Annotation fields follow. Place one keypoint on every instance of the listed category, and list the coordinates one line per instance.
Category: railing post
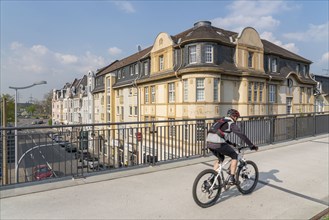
(205, 137)
(314, 124)
(153, 143)
(272, 130)
(295, 127)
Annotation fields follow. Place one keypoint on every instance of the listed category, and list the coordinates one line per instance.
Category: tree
(10, 102)
(47, 103)
(31, 109)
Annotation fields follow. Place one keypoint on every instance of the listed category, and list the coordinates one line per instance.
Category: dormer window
(304, 70)
(297, 68)
(275, 65)
(209, 54)
(161, 63)
(192, 54)
(250, 58)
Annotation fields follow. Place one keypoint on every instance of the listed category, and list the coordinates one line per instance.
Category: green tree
(10, 110)
(31, 109)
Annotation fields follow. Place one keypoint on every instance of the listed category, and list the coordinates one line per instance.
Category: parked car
(70, 148)
(58, 138)
(34, 122)
(41, 172)
(63, 143)
(91, 162)
(78, 155)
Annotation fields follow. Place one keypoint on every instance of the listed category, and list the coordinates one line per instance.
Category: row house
(199, 73)
(322, 93)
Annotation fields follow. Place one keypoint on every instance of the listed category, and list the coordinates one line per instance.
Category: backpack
(217, 127)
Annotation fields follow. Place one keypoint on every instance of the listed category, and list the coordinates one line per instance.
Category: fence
(73, 150)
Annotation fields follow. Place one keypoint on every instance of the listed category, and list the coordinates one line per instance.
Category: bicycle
(210, 182)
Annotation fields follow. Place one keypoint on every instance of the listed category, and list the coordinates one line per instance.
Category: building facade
(199, 73)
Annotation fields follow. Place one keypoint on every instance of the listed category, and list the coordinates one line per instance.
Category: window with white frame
(309, 95)
(275, 65)
(261, 86)
(130, 110)
(305, 70)
(272, 93)
(171, 92)
(209, 54)
(146, 68)
(146, 93)
(250, 58)
(301, 92)
(152, 94)
(200, 89)
(185, 90)
(192, 54)
(255, 91)
(297, 68)
(289, 105)
(250, 84)
(131, 70)
(136, 69)
(136, 110)
(161, 65)
(216, 81)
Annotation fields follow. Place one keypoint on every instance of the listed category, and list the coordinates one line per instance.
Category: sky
(58, 41)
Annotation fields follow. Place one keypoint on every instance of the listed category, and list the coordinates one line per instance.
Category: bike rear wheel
(203, 194)
(247, 177)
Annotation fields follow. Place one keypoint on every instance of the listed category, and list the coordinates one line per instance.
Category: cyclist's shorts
(220, 156)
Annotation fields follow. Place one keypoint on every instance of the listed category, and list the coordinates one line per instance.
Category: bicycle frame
(240, 151)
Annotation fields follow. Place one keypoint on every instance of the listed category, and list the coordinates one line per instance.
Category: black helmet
(233, 112)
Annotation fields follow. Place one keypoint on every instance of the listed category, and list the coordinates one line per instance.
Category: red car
(41, 172)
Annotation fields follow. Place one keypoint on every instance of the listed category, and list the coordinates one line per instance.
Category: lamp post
(16, 139)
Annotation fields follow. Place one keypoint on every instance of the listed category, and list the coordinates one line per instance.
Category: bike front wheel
(206, 188)
(247, 177)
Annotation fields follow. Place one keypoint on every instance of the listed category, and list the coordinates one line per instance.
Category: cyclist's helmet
(233, 112)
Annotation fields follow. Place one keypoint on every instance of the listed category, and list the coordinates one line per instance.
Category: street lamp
(16, 144)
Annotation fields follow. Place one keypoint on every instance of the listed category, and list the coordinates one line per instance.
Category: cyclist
(222, 147)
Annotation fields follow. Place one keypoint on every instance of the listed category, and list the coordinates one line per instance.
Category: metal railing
(75, 150)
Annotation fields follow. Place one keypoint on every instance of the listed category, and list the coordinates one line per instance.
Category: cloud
(325, 58)
(313, 33)
(113, 51)
(256, 14)
(23, 65)
(125, 6)
(270, 37)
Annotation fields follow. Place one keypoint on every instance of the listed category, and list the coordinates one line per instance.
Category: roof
(324, 80)
(271, 48)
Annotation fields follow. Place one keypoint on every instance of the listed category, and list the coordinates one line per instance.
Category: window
(301, 91)
(272, 93)
(289, 86)
(199, 89)
(261, 86)
(304, 70)
(161, 63)
(146, 93)
(146, 68)
(250, 57)
(131, 70)
(249, 91)
(122, 111)
(185, 86)
(192, 54)
(136, 110)
(153, 94)
(171, 92)
(255, 91)
(216, 89)
(308, 95)
(119, 74)
(297, 68)
(136, 69)
(130, 110)
(289, 105)
(275, 65)
(209, 54)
